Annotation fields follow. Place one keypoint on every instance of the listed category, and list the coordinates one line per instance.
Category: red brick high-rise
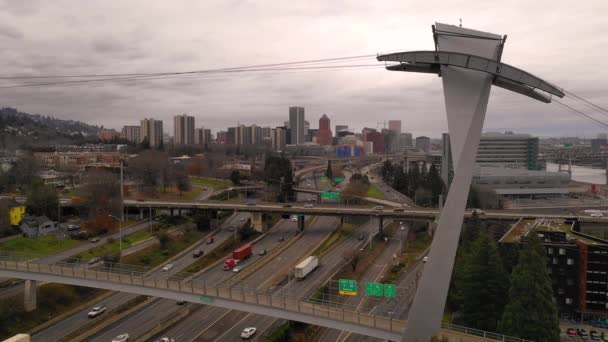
(324, 136)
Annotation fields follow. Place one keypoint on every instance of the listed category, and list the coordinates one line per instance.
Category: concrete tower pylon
(469, 63)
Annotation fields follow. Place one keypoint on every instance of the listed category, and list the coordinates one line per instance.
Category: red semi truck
(238, 254)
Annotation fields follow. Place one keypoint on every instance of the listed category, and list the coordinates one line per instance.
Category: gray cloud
(71, 37)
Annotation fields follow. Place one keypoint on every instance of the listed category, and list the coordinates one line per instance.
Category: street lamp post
(119, 234)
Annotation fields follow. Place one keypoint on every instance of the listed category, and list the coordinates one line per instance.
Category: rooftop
(525, 225)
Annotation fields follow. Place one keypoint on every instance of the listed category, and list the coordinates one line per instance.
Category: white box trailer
(306, 266)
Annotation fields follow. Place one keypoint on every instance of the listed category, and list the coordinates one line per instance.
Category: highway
(162, 309)
(219, 324)
(79, 319)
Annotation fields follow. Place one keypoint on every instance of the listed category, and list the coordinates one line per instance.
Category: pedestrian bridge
(236, 298)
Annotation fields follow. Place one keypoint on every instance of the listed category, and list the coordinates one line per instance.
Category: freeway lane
(79, 319)
(212, 323)
(146, 319)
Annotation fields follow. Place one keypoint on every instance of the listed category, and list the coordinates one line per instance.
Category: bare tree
(100, 193)
(150, 169)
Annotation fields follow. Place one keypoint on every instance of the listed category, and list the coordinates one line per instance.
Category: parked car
(248, 332)
(197, 253)
(251, 203)
(94, 260)
(594, 335)
(262, 252)
(378, 207)
(96, 311)
(582, 333)
(121, 338)
(167, 267)
(571, 332)
(94, 240)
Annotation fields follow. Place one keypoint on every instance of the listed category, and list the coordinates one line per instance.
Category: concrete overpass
(200, 292)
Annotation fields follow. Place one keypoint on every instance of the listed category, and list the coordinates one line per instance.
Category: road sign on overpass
(348, 287)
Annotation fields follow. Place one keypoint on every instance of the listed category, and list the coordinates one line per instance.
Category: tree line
(505, 289)
(422, 184)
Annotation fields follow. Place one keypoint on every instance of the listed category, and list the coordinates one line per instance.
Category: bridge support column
(141, 213)
(213, 219)
(341, 222)
(319, 197)
(380, 221)
(257, 221)
(29, 295)
(301, 223)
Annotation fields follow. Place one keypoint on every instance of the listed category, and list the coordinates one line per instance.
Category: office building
(447, 167)
(341, 128)
(521, 183)
(221, 137)
(407, 140)
(377, 139)
(324, 135)
(183, 129)
(297, 125)
(509, 150)
(131, 133)
(107, 134)
(423, 143)
(202, 136)
(248, 135)
(279, 138)
(152, 132)
(231, 136)
(395, 126)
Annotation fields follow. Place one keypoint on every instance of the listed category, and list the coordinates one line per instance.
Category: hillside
(23, 130)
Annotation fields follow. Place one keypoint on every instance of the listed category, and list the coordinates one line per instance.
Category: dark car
(361, 237)
(94, 240)
(281, 239)
(251, 203)
(582, 333)
(594, 335)
(398, 210)
(286, 205)
(180, 302)
(197, 253)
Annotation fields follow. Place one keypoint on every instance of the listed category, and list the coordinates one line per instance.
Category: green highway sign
(567, 145)
(338, 179)
(330, 195)
(324, 179)
(348, 287)
(373, 289)
(389, 290)
(437, 218)
(207, 299)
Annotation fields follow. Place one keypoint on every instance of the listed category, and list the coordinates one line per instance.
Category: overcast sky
(561, 41)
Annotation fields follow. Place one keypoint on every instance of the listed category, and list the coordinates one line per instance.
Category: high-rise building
(231, 136)
(183, 129)
(377, 139)
(423, 143)
(324, 135)
(202, 136)
(407, 139)
(279, 138)
(340, 128)
(296, 124)
(221, 137)
(395, 126)
(131, 133)
(447, 167)
(510, 150)
(152, 131)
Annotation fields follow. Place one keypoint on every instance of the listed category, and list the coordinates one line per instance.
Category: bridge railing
(140, 276)
(200, 288)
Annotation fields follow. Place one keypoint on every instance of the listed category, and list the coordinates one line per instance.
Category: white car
(308, 205)
(425, 259)
(596, 215)
(165, 339)
(236, 269)
(168, 267)
(96, 311)
(121, 338)
(478, 211)
(248, 332)
(294, 218)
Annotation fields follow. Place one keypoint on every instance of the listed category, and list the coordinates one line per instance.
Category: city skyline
(361, 98)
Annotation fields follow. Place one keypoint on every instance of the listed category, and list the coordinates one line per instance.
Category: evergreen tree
(434, 183)
(484, 285)
(531, 312)
(471, 231)
(386, 171)
(329, 172)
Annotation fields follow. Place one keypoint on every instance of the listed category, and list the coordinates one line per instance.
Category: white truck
(305, 267)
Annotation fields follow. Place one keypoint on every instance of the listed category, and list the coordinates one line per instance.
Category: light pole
(119, 235)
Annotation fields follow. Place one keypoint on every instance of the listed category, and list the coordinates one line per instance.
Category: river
(583, 174)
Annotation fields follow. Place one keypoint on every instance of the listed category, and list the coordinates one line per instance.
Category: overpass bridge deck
(237, 298)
